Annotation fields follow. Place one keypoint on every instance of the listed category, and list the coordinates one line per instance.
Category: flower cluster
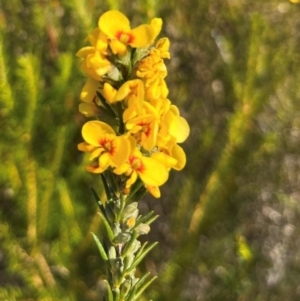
(137, 128)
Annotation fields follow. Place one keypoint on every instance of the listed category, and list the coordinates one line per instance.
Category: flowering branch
(133, 141)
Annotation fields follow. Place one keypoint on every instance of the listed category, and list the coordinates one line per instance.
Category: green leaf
(142, 229)
(142, 280)
(111, 180)
(106, 187)
(109, 213)
(121, 238)
(129, 244)
(145, 218)
(109, 291)
(135, 192)
(140, 291)
(130, 211)
(139, 257)
(100, 247)
(109, 231)
(100, 204)
(131, 294)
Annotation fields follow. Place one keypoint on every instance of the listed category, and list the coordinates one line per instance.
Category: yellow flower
(152, 70)
(144, 127)
(103, 144)
(117, 28)
(172, 125)
(151, 171)
(172, 156)
(94, 64)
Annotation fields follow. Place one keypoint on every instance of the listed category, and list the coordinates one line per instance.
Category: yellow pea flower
(172, 156)
(102, 142)
(172, 125)
(144, 127)
(116, 27)
(94, 64)
(151, 171)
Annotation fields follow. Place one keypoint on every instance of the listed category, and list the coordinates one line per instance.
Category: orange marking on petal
(108, 145)
(145, 128)
(136, 163)
(124, 37)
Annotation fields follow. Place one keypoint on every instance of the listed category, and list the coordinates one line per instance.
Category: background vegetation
(229, 226)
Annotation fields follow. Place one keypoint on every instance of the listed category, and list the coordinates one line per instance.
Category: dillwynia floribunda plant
(132, 139)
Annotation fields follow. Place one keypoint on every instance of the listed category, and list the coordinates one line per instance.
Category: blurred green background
(229, 226)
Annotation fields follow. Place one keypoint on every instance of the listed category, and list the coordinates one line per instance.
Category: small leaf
(109, 231)
(130, 211)
(135, 189)
(112, 181)
(129, 244)
(142, 229)
(140, 257)
(100, 204)
(112, 254)
(140, 291)
(100, 247)
(144, 219)
(125, 288)
(121, 238)
(109, 291)
(109, 213)
(106, 187)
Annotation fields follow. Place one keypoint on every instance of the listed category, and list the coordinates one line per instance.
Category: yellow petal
(163, 46)
(88, 92)
(118, 47)
(131, 88)
(112, 22)
(165, 159)
(93, 36)
(122, 149)
(88, 109)
(152, 172)
(179, 128)
(96, 153)
(178, 153)
(109, 93)
(122, 169)
(83, 52)
(94, 169)
(92, 131)
(156, 25)
(154, 190)
(85, 147)
(104, 161)
(132, 179)
(142, 36)
(90, 71)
